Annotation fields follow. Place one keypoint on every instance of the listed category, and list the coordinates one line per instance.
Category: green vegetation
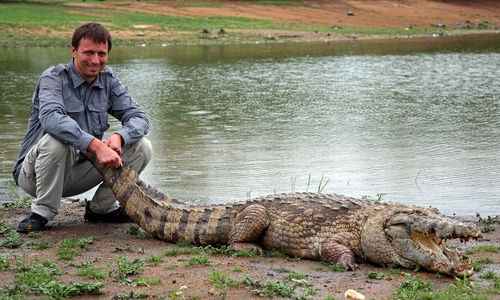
(30, 275)
(413, 288)
(488, 222)
(42, 278)
(50, 24)
(486, 248)
(18, 200)
(71, 247)
(36, 23)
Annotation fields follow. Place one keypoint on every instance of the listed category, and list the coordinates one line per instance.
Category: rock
(352, 294)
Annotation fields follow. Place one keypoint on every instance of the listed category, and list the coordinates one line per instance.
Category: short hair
(93, 31)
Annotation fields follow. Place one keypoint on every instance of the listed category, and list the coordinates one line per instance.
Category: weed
(126, 268)
(486, 248)
(124, 248)
(170, 267)
(496, 282)
(377, 200)
(321, 186)
(133, 295)
(88, 269)
(276, 253)
(319, 268)
(179, 251)
(333, 267)
(378, 275)
(19, 201)
(9, 238)
(217, 250)
(220, 280)
(154, 260)
(310, 291)
(198, 260)
(176, 294)
(141, 281)
(71, 247)
(38, 246)
(237, 269)
(246, 253)
(35, 234)
(479, 263)
(488, 275)
(138, 232)
(270, 288)
(5, 262)
(296, 276)
(412, 288)
(488, 222)
(42, 278)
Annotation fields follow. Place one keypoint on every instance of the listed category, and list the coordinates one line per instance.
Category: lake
(415, 120)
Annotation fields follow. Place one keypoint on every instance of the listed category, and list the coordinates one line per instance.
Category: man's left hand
(115, 142)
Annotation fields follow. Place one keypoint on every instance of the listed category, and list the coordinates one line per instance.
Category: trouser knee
(139, 154)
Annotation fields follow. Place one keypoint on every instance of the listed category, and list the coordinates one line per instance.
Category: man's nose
(95, 58)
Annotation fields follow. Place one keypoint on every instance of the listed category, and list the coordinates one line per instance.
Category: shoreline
(239, 38)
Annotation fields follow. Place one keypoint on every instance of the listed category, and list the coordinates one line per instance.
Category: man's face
(90, 58)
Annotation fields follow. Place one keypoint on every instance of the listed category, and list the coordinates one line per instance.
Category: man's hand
(107, 153)
(115, 142)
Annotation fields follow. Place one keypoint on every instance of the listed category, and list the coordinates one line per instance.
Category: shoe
(34, 222)
(116, 216)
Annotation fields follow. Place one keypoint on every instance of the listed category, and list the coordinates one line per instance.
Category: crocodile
(317, 226)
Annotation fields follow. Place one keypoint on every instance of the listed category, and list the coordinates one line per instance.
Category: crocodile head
(411, 236)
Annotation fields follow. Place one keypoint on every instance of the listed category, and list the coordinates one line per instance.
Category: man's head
(92, 31)
(90, 46)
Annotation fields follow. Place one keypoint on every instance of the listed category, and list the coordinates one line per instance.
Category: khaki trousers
(52, 170)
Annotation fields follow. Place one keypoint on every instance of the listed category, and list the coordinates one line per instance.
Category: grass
(33, 276)
(36, 23)
(50, 24)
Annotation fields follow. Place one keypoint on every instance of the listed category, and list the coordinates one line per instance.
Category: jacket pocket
(99, 118)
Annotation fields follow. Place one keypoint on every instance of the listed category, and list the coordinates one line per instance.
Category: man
(69, 116)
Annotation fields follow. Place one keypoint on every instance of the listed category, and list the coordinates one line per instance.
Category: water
(415, 119)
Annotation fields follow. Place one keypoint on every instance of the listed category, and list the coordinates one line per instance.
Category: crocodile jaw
(421, 240)
(435, 255)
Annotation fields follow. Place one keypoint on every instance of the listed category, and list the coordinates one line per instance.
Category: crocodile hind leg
(248, 227)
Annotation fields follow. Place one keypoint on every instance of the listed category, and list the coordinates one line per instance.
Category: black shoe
(34, 222)
(116, 216)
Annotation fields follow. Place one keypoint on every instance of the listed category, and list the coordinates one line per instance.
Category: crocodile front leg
(337, 250)
(248, 227)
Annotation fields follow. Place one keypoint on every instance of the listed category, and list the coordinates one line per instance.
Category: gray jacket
(75, 112)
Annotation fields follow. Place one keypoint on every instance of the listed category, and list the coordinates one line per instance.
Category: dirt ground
(114, 239)
(335, 15)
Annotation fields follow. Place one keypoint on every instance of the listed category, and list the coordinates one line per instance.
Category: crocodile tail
(140, 201)
(160, 215)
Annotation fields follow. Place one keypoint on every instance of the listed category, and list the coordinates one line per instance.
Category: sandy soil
(423, 14)
(114, 240)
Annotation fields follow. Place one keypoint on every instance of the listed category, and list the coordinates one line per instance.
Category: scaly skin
(335, 228)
